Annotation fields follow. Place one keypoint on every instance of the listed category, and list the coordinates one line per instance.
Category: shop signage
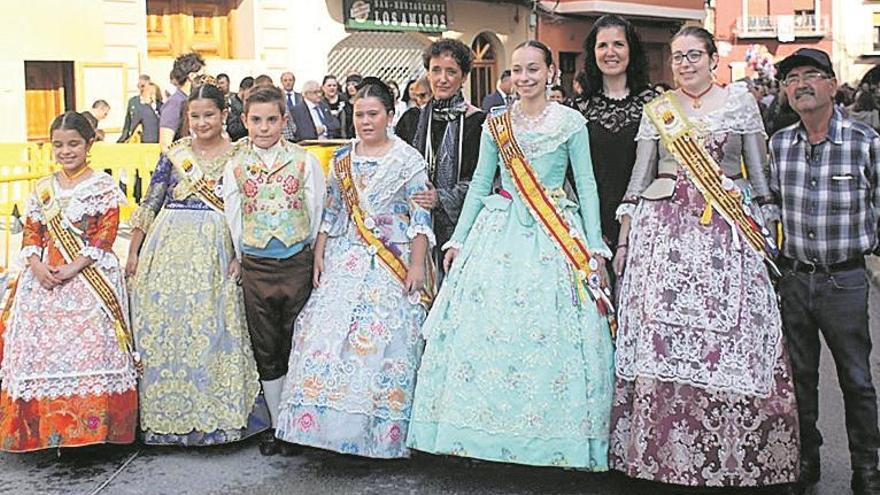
(395, 15)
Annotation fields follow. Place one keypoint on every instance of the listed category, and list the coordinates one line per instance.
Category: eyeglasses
(807, 77)
(692, 56)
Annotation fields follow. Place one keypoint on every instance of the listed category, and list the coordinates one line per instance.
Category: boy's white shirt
(314, 190)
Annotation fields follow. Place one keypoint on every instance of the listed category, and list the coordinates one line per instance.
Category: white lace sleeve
(27, 252)
(451, 244)
(103, 259)
(415, 229)
(647, 129)
(95, 199)
(741, 113)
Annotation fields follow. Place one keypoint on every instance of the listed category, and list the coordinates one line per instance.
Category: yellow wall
(53, 30)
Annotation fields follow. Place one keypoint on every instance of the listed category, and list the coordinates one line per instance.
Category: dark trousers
(275, 291)
(835, 304)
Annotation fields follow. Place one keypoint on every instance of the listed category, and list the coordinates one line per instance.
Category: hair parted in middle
(636, 71)
(463, 55)
(211, 92)
(375, 87)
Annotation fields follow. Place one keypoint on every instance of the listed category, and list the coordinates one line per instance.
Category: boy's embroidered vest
(273, 202)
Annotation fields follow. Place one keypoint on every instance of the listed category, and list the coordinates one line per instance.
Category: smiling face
(809, 89)
(612, 51)
(69, 149)
(691, 63)
(445, 76)
(264, 122)
(330, 88)
(205, 119)
(371, 120)
(530, 72)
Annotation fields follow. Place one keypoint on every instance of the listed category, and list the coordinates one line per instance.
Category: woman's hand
(234, 271)
(603, 271)
(131, 265)
(619, 260)
(428, 199)
(415, 279)
(66, 272)
(317, 271)
(449, 257)
(45, 275)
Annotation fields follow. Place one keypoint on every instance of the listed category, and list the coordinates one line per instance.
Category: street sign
(395, 15)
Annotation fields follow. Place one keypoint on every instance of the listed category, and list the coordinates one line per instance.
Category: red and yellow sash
(70, 245)
(342, 167)
(181, 156)
(720, 192)
(544, 210)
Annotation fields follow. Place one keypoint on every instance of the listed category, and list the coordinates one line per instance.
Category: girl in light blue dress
(518, 365)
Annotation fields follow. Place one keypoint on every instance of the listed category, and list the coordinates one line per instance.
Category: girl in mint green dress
(517, 367)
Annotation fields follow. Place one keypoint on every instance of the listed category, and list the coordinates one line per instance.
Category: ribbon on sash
(70, 245)
(542, 207)
(181, 156)
(342, 167)
(719, 191)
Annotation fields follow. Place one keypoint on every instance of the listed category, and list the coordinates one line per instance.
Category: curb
(872, 264)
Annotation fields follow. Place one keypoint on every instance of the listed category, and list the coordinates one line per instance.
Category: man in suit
(501, 96)
(313, 117)
(292, 97)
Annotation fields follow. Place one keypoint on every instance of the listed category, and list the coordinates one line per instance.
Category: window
(484, 71)
(180, 26)
(876, 31)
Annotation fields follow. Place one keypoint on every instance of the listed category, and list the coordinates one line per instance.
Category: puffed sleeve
(315, 190)
(153, 201)
(588, 195)
(335, 217)
(101, 228)
(34, 236)
(480, 187)
(419, 218)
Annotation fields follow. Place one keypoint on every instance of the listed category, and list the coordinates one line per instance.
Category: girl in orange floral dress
(68, 376)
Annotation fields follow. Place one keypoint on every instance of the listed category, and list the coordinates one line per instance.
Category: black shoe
(288, 449)
(866, 482)
(269, 445)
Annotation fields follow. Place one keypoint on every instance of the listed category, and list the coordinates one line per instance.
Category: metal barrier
(22, 164)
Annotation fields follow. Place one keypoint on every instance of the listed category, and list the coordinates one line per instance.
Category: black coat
(305, 127)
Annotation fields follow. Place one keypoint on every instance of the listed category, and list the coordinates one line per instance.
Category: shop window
(180, 26)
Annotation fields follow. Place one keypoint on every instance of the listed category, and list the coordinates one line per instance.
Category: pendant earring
(548, 89)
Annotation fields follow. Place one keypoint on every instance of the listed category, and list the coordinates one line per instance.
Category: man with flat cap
(824, 173)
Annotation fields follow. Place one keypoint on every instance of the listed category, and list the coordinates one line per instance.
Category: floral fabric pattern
(62, 364)
(356, 344)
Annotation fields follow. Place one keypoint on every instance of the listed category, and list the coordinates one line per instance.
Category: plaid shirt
(828, 192)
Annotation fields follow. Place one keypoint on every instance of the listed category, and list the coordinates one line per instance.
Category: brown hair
(266, 94)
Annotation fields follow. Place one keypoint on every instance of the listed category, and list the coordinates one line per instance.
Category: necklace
(530, 120)
(73, 176)
(697, 102)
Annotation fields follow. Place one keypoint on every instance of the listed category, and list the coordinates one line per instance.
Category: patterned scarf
(443, 168)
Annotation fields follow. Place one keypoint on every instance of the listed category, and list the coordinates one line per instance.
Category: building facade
(95, 49)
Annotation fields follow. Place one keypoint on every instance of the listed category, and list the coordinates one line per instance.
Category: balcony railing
(768, 26)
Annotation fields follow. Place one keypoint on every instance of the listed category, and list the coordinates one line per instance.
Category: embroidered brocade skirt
(65, 381)
(516, 368)
(200, 384)
(691, 299)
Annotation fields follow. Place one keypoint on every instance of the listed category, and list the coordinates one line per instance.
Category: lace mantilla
(92, 197)
(613, 114)
(400, 164)
(739, 115)
(541, 136)
(26, 253)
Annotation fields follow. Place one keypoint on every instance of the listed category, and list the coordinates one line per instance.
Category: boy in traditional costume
(274, 195)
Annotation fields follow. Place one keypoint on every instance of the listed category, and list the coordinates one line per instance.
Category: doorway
(48, 90)
(484, 71)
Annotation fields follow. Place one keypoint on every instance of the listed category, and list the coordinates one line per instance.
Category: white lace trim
(27, 252)
(625, 209)
(451, 244)
(92, 198)
(413, 230)
(325, 227)
(33, 209)
(739, 115)
(398, 166)
(545, 136)
(52, 387)
(103, 259)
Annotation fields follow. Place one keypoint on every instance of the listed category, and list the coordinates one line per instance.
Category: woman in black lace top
(615, 89)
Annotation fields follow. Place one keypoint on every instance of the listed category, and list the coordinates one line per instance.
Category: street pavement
(239, 469)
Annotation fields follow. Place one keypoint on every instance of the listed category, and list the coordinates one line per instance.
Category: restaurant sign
(395, 15)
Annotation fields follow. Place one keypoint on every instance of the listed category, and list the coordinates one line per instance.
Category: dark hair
(863, 101)
(548, 55)
(463, 55)
(636, 70)
(209, 92)
(246, 83)
(184, 65)
(405, 97)
(327, 78)
(698, 32)
(263, 80)
(504, 74)
(223, 75)
(266, 94)
(560, 89)
(100, 103)
(73, 121)
(373, 86)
